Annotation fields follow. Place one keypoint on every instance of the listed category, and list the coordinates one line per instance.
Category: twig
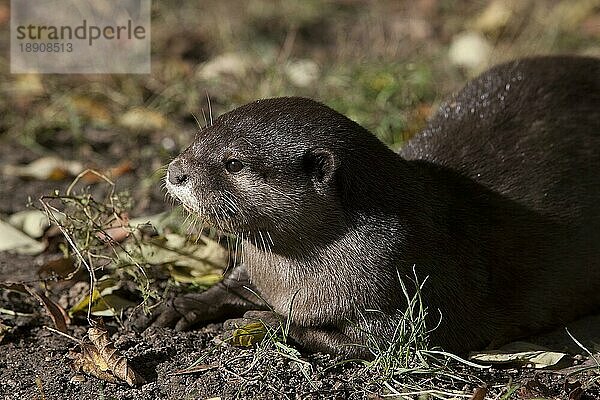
(61, 333)
(15, 313)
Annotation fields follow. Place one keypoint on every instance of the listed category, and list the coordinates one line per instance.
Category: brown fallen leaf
(117, 232)
(114, 172)
(574, 389)
(479, 393)
(110, 358)
(92, 109)
(576, 394)
(55, 311)
(91, 362)
(61, 267)
(533, 388)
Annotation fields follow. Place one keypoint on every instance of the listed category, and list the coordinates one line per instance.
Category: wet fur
(497, 201)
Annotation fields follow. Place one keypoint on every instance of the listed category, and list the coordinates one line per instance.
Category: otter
(496, 202)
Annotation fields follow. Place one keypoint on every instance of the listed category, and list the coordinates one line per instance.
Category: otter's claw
(229, 298)
(183, 312)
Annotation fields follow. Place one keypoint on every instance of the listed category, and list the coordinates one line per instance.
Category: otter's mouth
(184, 194)
(223, 223)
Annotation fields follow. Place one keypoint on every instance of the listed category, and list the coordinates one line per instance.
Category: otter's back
(528, 129)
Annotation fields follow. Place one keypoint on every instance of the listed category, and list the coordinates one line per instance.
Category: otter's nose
(176, 173)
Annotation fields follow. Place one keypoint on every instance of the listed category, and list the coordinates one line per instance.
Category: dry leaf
(101, 359)
(110, 305)
(92, 109)
(82, 305)
(120, 169)
(248, 335)
(27, 85)
(201, 263)
(533, 388)
(185, 274)
(116, 363)
(224, 66)
(114, 172)
(33, 222)
(206, 254)
(61, 267)
(45, 168)
(158, 221)
(574, 389)
(536, 359)
(118, 231)
(479, 393)
(13, 240)
(105, 303)
(90, 361)
(55, 311)
(143, 119)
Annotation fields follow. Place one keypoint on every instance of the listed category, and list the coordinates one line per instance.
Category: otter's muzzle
(176, 173)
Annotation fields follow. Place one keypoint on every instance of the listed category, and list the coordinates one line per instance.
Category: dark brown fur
(497, 202)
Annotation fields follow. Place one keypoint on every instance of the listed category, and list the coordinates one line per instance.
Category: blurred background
(385, 64)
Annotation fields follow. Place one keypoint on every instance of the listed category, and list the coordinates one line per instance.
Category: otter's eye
(234, 166)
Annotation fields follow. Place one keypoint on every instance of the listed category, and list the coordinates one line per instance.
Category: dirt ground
(385, 64)
(36, 364)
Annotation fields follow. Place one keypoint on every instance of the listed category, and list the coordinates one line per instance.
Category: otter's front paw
(184, 311)
(224, 300)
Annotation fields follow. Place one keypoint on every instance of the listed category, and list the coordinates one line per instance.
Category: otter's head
(269, 167)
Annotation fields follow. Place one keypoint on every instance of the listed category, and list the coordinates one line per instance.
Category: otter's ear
(320, 165)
